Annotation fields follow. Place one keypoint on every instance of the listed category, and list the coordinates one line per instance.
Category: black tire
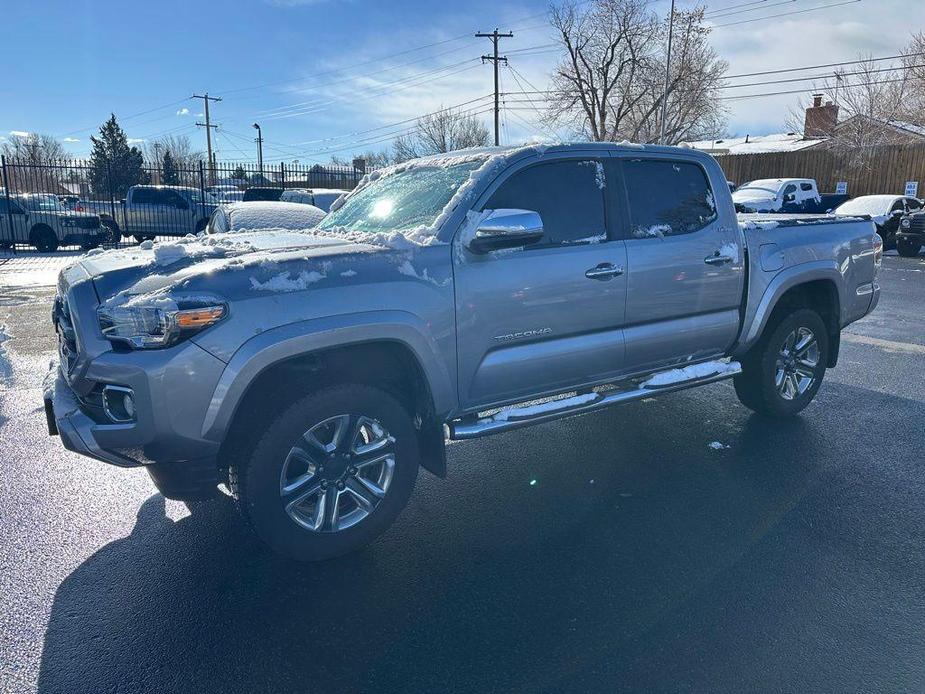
(90, 245)
(256, 483)
(908, 248)
(44, 239)
(757, 386)
(114, 235)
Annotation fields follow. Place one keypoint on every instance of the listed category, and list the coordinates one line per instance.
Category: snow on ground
(29, 269)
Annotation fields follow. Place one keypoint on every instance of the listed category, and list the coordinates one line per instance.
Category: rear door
(547, 317)
(685, 265)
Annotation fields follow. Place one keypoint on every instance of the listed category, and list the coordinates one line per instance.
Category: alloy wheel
(337, 473)
(796, 364)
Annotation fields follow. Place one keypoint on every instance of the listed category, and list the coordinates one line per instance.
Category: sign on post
(841, 188)
(912, 189)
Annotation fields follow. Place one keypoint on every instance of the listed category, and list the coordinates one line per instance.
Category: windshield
(403, 200)
(754, 189)
(42, 203)
(871, 205)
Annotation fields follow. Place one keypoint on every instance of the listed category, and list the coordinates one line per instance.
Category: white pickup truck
(40, 220)
(785, 195)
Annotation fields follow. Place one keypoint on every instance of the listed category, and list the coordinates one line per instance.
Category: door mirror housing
(507, 229)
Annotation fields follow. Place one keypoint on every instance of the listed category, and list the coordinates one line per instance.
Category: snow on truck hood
(157, 267)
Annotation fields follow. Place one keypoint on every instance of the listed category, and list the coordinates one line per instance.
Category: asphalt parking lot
(617, 551)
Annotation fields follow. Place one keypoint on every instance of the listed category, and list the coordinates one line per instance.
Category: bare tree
(914, 105)
(179, 147)
(609, 84)
(445, 130)
(33, 148)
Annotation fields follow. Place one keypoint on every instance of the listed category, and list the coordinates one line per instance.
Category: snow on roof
(755, 144)
(272, 215)
(871, 205)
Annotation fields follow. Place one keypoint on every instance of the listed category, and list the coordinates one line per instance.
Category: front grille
(67, 337)
(916, 223)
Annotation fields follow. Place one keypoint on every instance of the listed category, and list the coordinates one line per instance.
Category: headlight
(158, 324)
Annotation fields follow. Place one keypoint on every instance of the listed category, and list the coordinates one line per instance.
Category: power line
(786, 14)
(495, 60)
(815, 67)
(721, 13)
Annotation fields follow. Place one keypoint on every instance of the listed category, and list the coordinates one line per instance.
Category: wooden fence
(875, 170)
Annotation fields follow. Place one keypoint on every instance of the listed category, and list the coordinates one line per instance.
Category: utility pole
(259, 141)
(208, 126)
(496, 59)
(667, 72)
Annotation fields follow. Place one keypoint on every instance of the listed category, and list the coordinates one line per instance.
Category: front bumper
(86, 237)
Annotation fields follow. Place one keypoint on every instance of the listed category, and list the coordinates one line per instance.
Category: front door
(547, 317)
(685, 265)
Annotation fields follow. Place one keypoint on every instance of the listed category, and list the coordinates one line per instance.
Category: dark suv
(910, 237)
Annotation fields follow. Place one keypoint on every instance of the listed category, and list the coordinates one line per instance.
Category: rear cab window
(667, 197)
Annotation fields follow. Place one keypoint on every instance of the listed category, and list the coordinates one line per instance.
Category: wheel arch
(373, 356)
(819, 288)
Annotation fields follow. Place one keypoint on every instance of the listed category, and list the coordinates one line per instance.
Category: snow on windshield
(872, 205)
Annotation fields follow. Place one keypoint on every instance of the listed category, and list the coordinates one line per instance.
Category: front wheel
(908, 248)
(783, 372)
(330, 474)
(45, 240)
(113, 234)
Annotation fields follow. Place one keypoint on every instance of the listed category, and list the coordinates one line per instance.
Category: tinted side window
(567, 194)
(790, 189)
(143, 196)
(897, 206)
(806, 186)
(914, 204)
(667, 198)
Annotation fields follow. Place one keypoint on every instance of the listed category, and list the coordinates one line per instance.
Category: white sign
(912, 189)
(841, 188)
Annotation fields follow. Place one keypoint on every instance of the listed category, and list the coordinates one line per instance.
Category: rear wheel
(908, 248)
(44, 239)
(783, 372)
(143, 237)
(113, 234)
(330, 474)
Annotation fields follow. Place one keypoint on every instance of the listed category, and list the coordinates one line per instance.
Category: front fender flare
(295, 339)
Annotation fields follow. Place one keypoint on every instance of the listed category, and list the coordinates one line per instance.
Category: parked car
(231, 196)
(150, 211)
(885, 211)
(910, 237)
(41, 220)
(262, 193)
(473, 293)
(219, 190)
(319, 197)
(784, 195)
(251, 216)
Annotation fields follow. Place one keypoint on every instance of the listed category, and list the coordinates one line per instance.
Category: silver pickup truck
(456, 296)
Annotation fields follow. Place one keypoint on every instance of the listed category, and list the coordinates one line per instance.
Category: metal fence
(55, 204)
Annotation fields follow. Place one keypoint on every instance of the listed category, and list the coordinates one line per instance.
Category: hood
(199, 263)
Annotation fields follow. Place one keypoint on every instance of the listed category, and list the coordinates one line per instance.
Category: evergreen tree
(169, 174)
(125, 163)
(239, 174)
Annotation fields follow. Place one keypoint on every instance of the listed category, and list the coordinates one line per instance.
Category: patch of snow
(731, 250)
(348, 273)
(690, 373)
(590, 240)
(285, 282)
(763, 225)
(95, 251)
(259, 215)
(599, 178)
(631, 145)
(146, 245)
(551, 406)
(717, 446)
(654, 231)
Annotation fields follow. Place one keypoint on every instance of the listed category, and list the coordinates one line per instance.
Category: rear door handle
(604, 271)
(717, 259)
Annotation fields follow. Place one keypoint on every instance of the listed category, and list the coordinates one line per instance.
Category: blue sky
(317, 76)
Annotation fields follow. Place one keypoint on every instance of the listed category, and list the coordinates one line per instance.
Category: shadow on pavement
(660, 565)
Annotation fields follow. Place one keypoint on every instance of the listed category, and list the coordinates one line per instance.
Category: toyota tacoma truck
(313, 373)
(40, 219)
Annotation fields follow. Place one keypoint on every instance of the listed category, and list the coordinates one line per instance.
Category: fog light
(119, 404)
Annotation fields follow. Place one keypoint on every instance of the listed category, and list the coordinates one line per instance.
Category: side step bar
(523, 416)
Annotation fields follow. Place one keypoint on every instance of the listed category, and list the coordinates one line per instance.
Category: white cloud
(20, 133)
(70, 139)
(135, 140)
(183, 111)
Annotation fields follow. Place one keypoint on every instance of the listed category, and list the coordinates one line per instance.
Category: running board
(523, 416)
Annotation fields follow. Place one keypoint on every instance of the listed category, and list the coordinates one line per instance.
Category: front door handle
(717, 259)
(604, 271)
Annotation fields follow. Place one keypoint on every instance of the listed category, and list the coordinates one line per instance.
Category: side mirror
(507, 229)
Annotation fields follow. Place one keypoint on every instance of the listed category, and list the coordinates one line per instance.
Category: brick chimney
(820, 119)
